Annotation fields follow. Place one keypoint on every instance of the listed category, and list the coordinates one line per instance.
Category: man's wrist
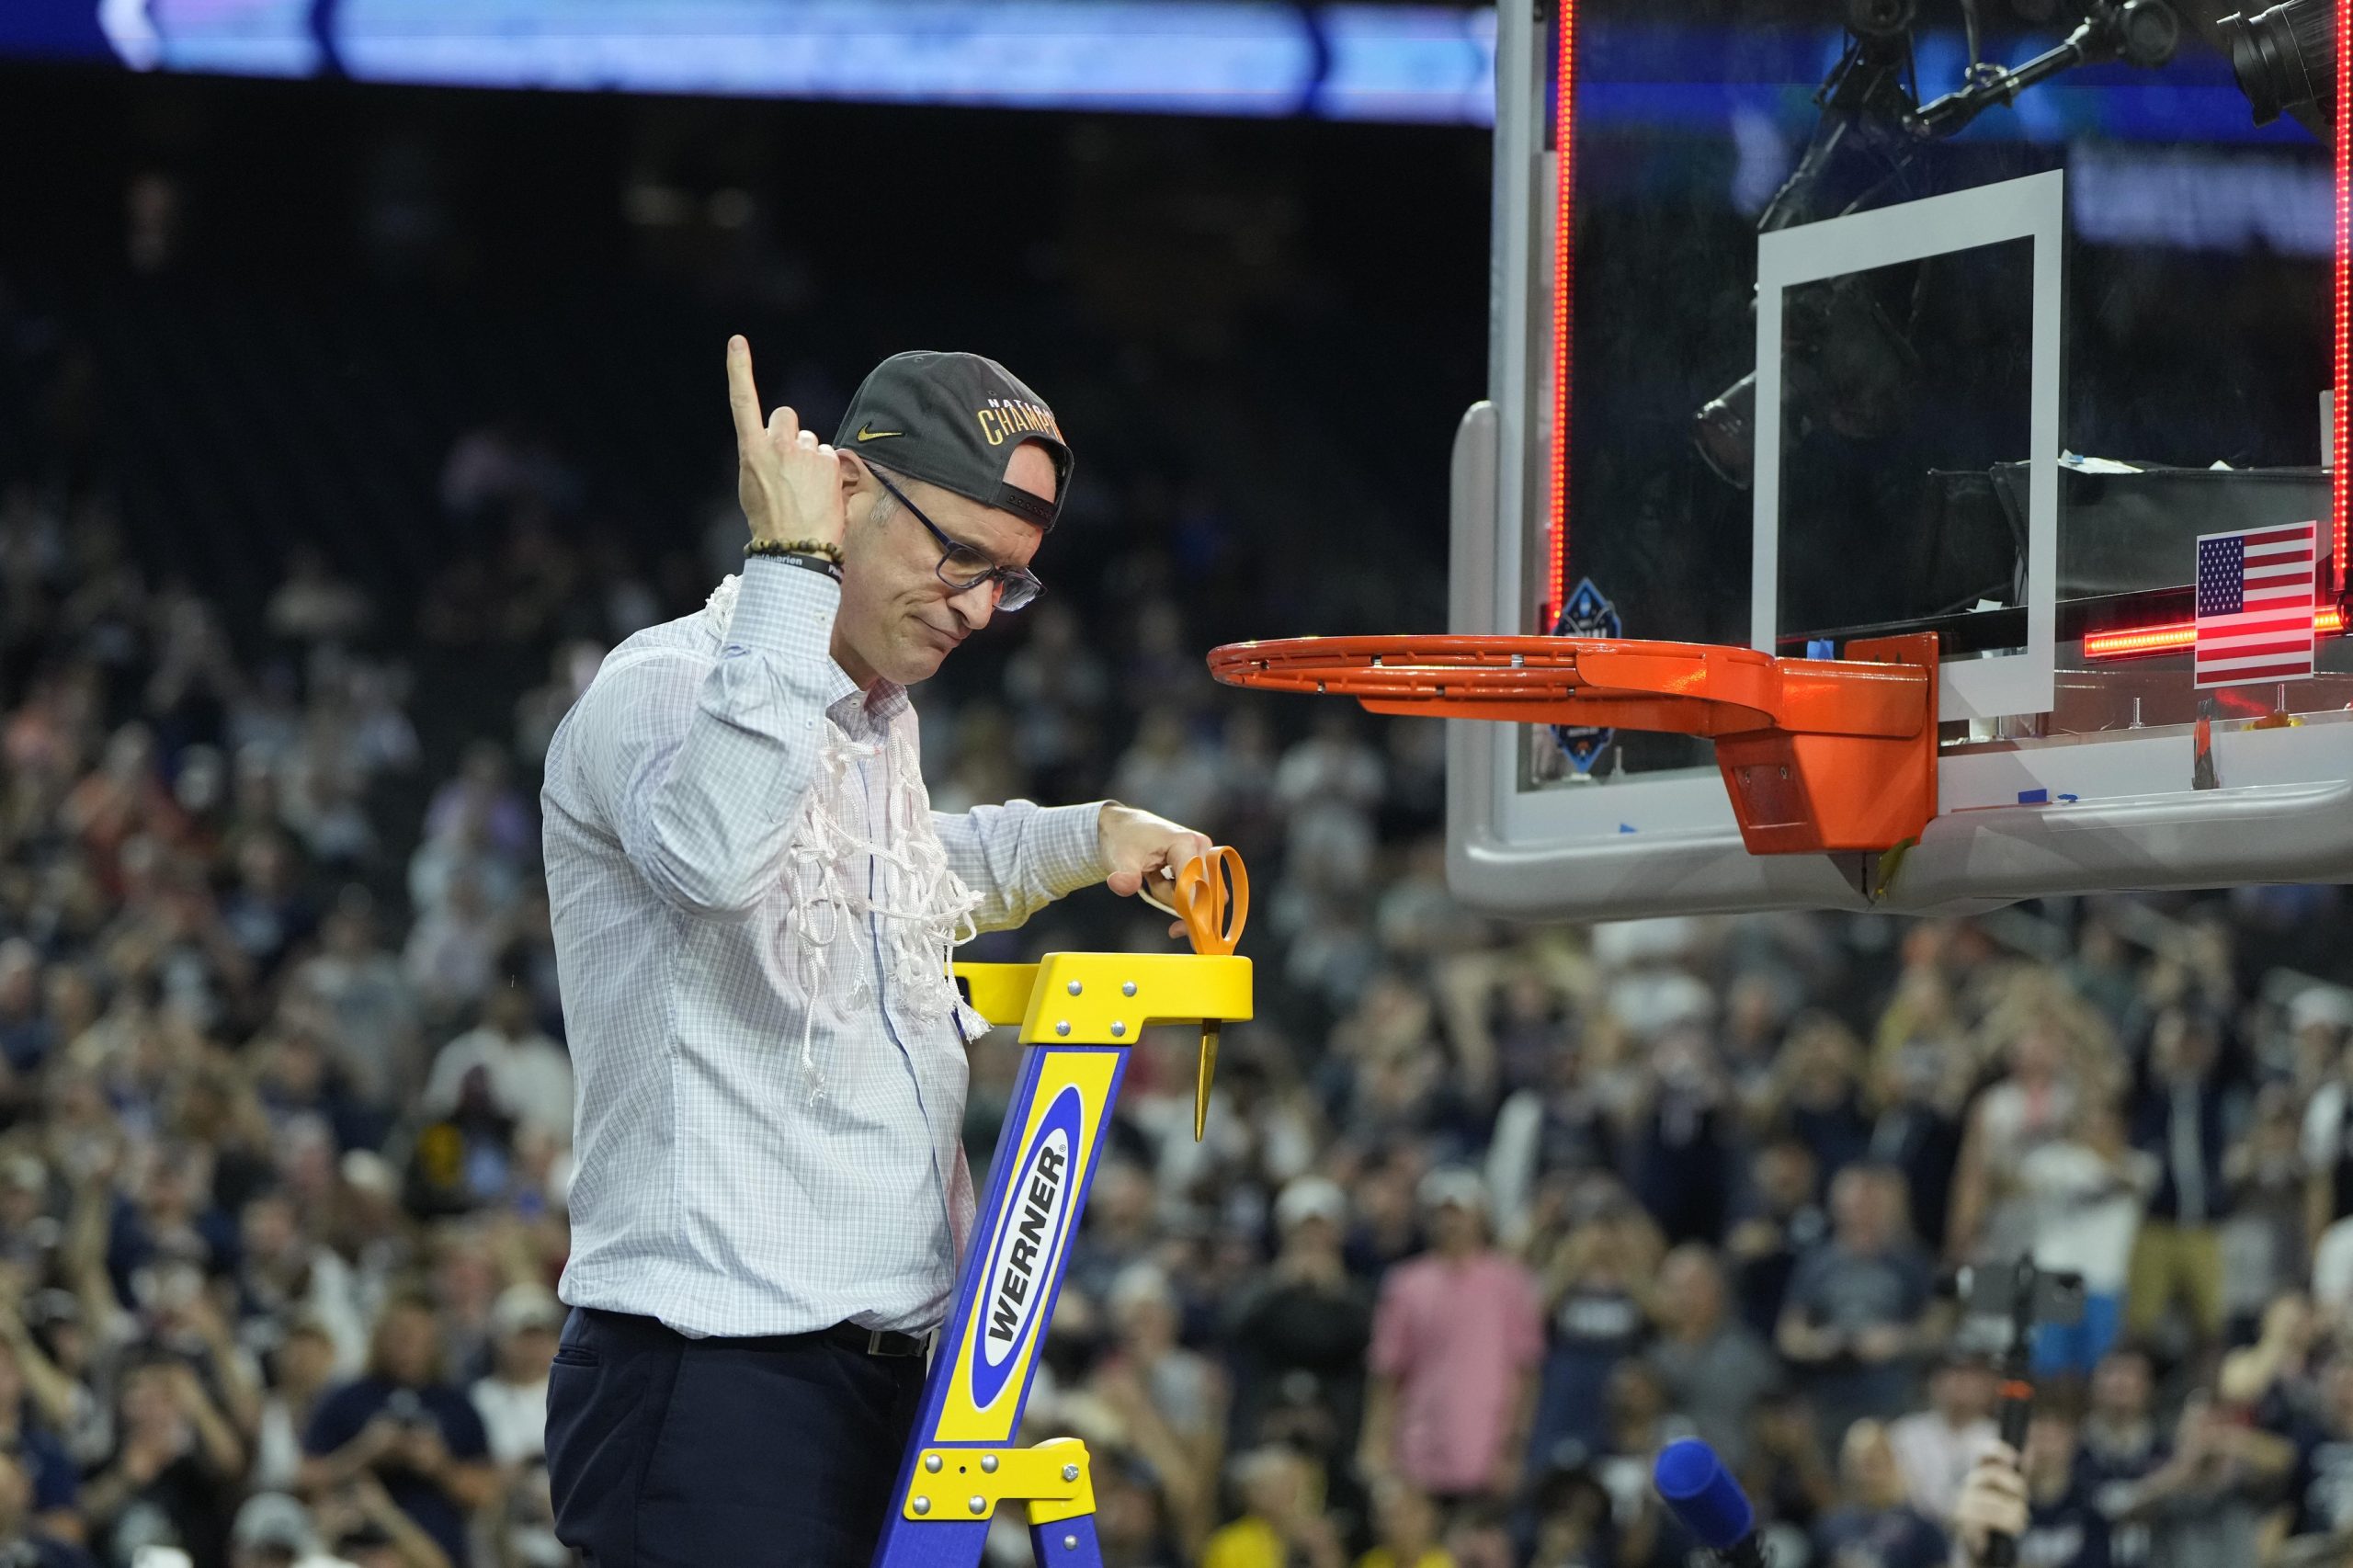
(783, 609)
(812, 554)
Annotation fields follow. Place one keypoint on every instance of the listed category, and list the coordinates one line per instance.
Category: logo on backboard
(1587, 613)
(1030, 1236)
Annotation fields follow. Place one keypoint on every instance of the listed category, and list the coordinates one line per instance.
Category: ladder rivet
(1076, 988)
(931, 1464)
(1063, 1027)
(1069, 1472)
(988, 1464)
(1129, 989)
(980, 1504)
(923, 1505)
(1118, 1029)
(1070, 1544)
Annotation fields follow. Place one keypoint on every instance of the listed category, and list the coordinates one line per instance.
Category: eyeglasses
(963, 568)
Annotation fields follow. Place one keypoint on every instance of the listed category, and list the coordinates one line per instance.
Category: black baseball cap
(954, 420)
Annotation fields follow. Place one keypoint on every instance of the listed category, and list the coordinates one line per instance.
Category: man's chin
(918, 662)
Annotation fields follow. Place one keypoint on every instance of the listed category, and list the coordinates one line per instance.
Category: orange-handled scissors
(1212, 898)
(1213, 901)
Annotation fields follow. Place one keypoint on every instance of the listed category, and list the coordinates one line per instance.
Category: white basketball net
(925, 909)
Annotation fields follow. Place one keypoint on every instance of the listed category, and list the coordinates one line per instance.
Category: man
(174, 1468)
(1784, 1223)
(1457, 1339)
(2037, 1499)
(753, 908)
(1860, 1312)
(406, 1426)
(2181, 1116)
(1713, 1367)
(513, 1399)
(1303, 1324)
(513, 1404)
(530, 1078)
(1282, 1521)
(1934, 1447)
(2088, 1190)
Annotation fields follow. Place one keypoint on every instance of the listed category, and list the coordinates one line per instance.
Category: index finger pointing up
(742, 396)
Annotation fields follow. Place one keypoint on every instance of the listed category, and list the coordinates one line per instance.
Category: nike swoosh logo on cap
(866, 435)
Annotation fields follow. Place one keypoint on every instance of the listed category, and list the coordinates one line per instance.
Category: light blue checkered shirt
(712, 1188)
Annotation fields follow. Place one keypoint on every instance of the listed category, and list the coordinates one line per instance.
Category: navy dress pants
(670, 1452)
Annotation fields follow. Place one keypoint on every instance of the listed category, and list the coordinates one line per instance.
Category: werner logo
(1024, 1251)
(1029, 1241)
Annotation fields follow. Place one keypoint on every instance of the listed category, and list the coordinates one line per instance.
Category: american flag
(2254, 605)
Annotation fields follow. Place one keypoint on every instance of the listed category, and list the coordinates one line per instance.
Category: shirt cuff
(1069, 847)
(783, 608)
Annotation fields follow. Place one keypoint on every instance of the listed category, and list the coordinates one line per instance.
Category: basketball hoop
(1818, 754)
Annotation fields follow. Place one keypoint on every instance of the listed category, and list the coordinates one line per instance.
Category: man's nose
(976, 603)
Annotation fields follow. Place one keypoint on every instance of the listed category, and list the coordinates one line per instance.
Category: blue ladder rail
(1079, 1013)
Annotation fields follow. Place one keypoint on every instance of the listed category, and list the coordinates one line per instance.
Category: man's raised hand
(789, 481)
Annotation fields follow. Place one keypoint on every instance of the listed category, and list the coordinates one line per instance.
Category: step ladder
(1079, 1013)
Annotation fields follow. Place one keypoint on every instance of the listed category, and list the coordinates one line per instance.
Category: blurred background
(351, 408)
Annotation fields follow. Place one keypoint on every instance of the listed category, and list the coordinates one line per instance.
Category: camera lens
(2149, 32)
(2285, 57)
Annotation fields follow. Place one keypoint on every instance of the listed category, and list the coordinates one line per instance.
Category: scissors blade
(1209, 1028)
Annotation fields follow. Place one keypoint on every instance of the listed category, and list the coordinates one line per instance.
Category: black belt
(864, 1341)
(876, 1341)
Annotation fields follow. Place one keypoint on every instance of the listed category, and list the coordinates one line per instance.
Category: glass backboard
(2017, 322)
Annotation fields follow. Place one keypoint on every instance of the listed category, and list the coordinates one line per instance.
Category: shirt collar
(859, 711)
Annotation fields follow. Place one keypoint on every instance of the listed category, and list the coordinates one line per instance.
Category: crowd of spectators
(1484, 1215)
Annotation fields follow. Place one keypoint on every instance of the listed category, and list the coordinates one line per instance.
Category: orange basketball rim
(1817, 754)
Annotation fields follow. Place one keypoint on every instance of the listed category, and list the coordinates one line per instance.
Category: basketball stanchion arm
(1079, 1012)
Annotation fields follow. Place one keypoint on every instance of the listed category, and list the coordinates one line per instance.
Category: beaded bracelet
(817, 546)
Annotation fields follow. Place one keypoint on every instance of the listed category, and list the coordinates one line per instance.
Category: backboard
(1816, 321)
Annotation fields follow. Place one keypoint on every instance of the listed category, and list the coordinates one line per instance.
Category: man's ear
(859, 500)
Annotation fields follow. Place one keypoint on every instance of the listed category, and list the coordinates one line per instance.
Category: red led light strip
(2339, 415)
(2140, 641)
(1564, 93)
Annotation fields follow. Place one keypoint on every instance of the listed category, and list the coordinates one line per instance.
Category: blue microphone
(1708, 1502)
